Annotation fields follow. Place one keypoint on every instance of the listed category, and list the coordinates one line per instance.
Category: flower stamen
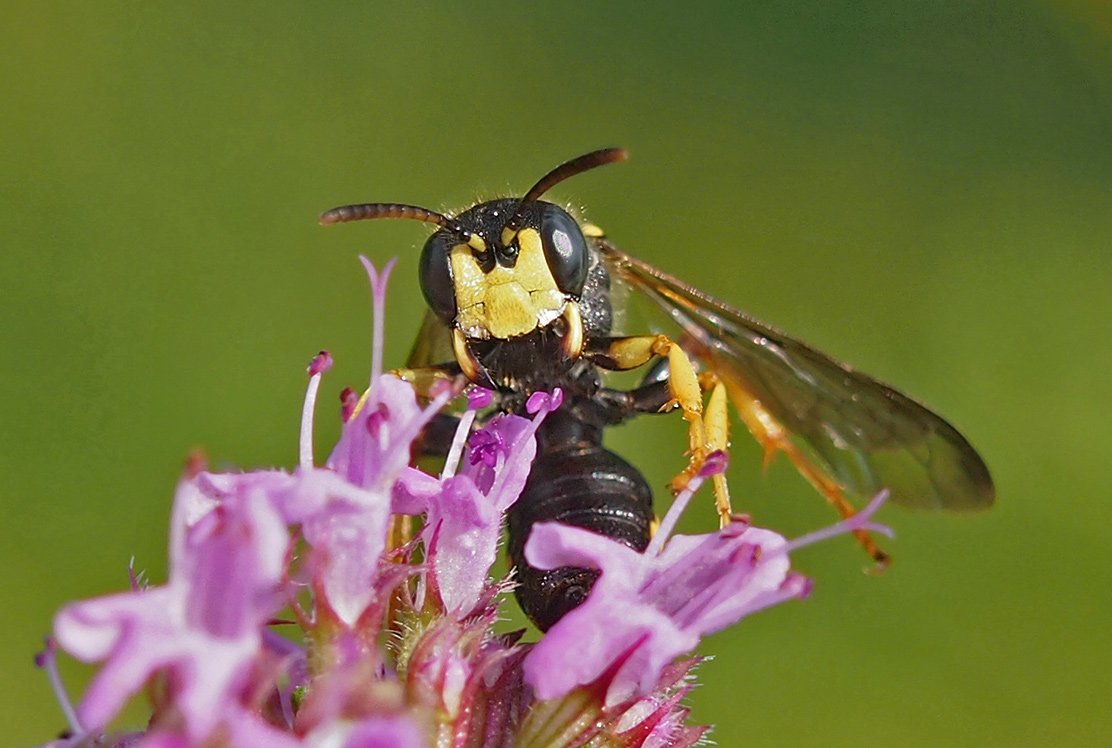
(321, 363)
(477, 399)
(540, 404)
(349, 400)
(668, 524)
(378, 308)
(860, 521)
(48, 661)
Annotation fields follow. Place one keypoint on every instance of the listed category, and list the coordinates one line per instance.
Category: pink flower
(648, 608)
(464, 519)
(349, 537)
(392, 636)
(204, 626)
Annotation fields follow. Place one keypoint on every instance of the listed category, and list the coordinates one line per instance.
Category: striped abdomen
(574, 480)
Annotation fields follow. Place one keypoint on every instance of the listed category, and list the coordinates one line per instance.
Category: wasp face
(504, 270)
(499, 282)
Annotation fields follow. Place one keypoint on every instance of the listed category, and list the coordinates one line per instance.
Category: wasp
(520, 300)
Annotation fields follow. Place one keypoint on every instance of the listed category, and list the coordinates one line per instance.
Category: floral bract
(351, 604)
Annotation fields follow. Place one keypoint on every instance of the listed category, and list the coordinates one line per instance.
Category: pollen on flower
(539, 401)
(349, 398)
(377, 418)
(715, 464)
(321, 363)
(479, 398)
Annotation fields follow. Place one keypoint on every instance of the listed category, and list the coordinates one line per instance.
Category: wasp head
(492, 280)
(504, 268)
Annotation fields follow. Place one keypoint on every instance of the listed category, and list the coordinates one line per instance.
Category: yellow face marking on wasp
(506, 302)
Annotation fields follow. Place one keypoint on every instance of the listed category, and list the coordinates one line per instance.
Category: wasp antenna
(367, 211)
(567, 169)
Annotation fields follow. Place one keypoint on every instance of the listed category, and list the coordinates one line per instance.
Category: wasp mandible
(519, 297)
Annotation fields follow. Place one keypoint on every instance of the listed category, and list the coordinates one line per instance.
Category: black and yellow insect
(519, 298)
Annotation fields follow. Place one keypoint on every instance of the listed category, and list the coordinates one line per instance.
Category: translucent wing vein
(865, 434)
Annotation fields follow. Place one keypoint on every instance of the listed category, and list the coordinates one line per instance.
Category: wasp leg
(717, 425)
(623, 353)
(610, 406)
(427, 381)
(773, 438)
(654, 395)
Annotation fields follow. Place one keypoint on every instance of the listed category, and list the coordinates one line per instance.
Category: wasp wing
(433, 345)
(866, 435)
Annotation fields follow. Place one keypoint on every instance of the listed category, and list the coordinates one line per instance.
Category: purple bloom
(349, 536)
(373, 450)
(464, 520)
(344, 510)
(479, 397)
(648, 608)
(486, 446)
(334, 546)
(204, 626)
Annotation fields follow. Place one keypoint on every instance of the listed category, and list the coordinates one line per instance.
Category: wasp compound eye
(565, 249)
(435, 274)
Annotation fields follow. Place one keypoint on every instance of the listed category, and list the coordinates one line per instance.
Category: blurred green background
(921, 188)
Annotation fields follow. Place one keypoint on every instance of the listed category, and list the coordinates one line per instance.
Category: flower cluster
(351, 604)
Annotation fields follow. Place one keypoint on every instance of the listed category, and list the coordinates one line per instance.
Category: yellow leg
(428, 380)
(687, 395)
(716, 422)
(706, 432)
(623, 354)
